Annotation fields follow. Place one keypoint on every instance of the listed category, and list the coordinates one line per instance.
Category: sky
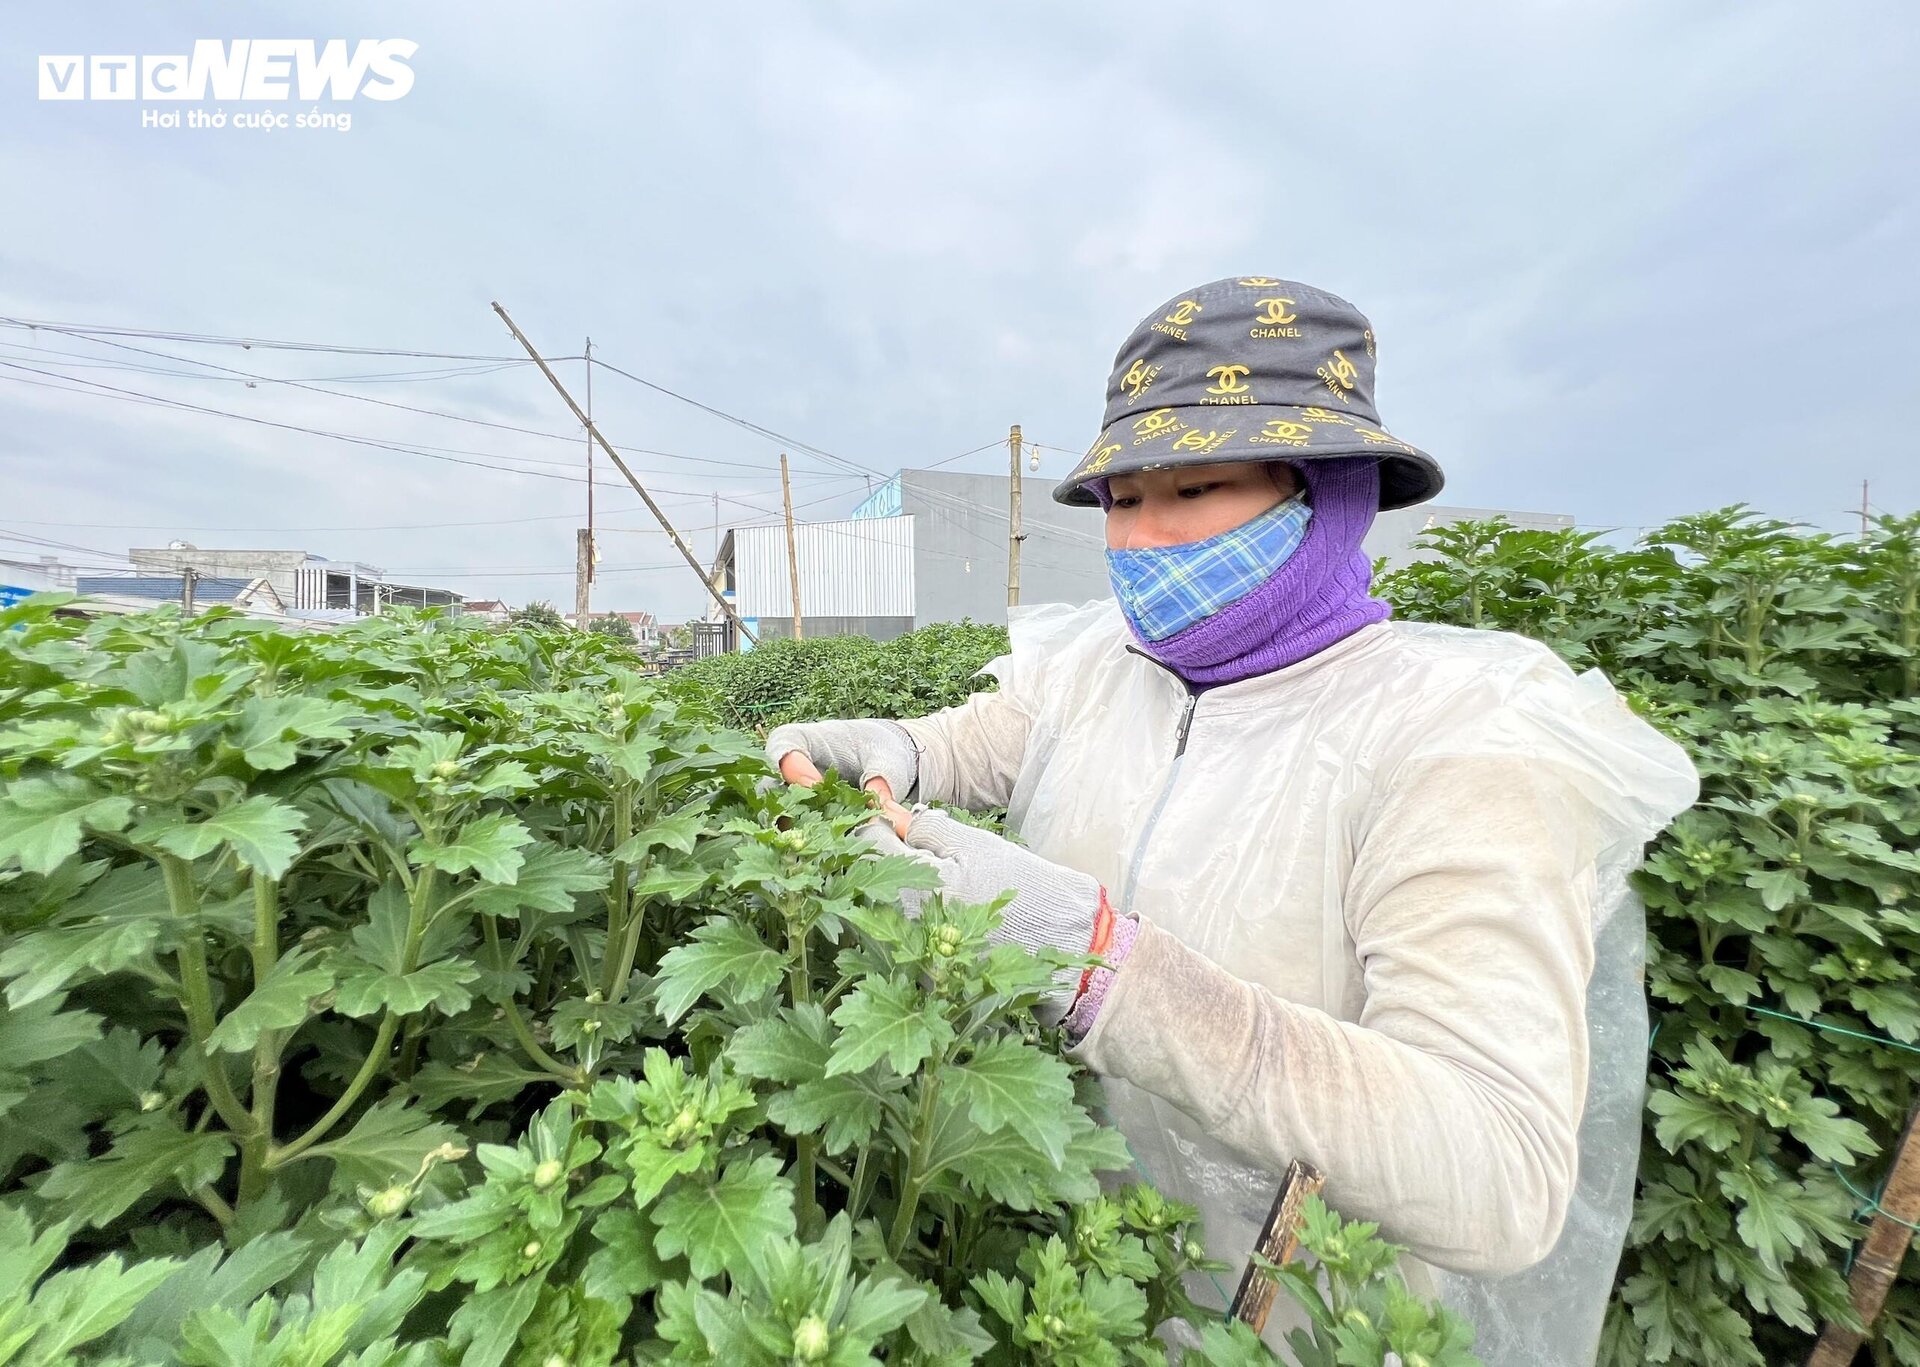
(1624, 260)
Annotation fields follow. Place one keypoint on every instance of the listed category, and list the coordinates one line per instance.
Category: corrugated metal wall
(860, 568)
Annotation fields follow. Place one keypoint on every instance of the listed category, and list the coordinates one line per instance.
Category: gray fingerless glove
(1053, 906)
(859, 750)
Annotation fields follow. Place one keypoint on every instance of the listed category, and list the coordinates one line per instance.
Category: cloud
(1624, 261)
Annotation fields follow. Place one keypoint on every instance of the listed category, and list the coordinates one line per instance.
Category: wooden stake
(1881, 1253)
(1279, 1239)
(793, 545)
(582, 574)
(1014, 535)
(188, 576)
(679, 544)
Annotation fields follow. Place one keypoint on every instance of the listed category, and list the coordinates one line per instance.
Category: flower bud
(811, 1339)
(548, 1173)
(384, 1205)
(532, 1250)
(152, 1101)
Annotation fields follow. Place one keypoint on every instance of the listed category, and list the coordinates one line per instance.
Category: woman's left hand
(1053, 907)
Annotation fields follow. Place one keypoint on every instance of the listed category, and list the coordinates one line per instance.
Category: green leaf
(625, 1263)
(676, 883)
(1685, 1118)
(877, 1308)
(489, 846)
(721, 1226)
(210, 1280)
(270, 729)
(883, 879)
(282, 1002)
(550, 877)
(788, 1047)
(389, 1144)
(1817, 1123)
(41, 1031)
(443, 985)
(259, 830)
(480, 1081)
(721, 952)
(1007, 1082)
(887, 1018)
(99, 1190)
(1766, 1221)
(43, 961)
(677, 832)
(41, 820)
(82, 1304)
(844, 1110)
(488, 1327)
(373, 975)
(1778, 888)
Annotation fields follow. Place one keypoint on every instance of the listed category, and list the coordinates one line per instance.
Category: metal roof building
(856, 578)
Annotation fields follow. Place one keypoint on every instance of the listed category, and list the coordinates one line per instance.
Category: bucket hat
(1248, 369)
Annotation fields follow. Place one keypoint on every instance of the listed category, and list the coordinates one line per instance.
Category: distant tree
(613, 625)
(678, 638)
(538, 614)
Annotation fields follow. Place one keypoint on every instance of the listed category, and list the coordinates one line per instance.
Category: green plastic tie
(1832, 1029)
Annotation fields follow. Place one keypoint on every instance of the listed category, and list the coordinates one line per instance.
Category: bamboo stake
(1880, 1256)
(793, 545)
(1279, 1239)
(678, 543)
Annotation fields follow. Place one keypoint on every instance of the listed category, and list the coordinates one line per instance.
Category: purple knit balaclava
(1319, 596)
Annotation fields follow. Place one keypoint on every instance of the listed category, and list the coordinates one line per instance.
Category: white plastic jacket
(1386, 928)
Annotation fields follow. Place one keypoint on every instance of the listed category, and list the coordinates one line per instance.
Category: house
(306, 583)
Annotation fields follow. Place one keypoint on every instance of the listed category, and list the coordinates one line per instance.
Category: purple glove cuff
(1080, 1019)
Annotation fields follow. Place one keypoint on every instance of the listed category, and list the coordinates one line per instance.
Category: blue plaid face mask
(1166, 589)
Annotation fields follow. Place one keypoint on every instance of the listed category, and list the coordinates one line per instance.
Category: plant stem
(376, 1056)
(617, 908)
(806, 1147)
(419, 912)
(518, 1023)
(863, 1172)
(196, 991)
(916, 1163)
(266, 1050)
(214, 1205)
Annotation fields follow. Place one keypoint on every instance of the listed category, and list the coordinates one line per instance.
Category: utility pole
(1014, 535)
(592, 545)
(1863, 510)
(582, 567)
(188, 576)
(679, 542)
(793, 545)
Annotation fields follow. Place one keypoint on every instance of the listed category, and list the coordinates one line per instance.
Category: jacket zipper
(1180, 735)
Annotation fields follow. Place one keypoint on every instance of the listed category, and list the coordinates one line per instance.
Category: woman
(1358, 884)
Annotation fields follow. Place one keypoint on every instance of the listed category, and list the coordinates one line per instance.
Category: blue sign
(11, 594)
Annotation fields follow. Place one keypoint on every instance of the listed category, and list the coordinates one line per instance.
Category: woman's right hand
(878, 756)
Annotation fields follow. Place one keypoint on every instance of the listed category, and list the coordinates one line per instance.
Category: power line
(265, 344)
(252, 379)
(429, 453)
(792, 442)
